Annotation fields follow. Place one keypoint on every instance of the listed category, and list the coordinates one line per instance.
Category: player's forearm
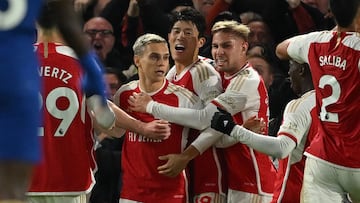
(124, 120)
(206, 139)
(278, 147)
(114, 132)
(192, 118)
(190, 153)
(281, 50)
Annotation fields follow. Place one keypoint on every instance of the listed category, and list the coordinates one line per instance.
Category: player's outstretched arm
(281, 50)
(195, 118)
(157, 129)
(278, 147)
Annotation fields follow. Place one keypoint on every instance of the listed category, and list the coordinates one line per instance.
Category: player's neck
(181, 65)
(150, 86)
(50, 35)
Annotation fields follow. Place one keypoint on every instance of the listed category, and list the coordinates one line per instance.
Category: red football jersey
(334, 60)
(66, 162)
(203, 80)
(140, 178)
(258, 175)
(297, 125)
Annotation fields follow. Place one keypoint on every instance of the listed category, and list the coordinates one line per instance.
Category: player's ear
(245, 47)
(137, 61)
(201, 42)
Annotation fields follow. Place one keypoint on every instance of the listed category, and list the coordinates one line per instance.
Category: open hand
(175, 163)
(255, 124)
(139, 101)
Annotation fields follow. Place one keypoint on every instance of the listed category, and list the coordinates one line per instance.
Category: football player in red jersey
(332, 168)
(295, 134)
(66, 175)
(141, 156)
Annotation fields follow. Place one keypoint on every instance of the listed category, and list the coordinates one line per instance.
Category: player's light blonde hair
(231, 26)
(143, 40)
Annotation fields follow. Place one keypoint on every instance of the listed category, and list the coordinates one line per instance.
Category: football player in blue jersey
(20, 114)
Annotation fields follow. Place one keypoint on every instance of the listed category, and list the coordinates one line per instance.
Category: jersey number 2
(332, 99)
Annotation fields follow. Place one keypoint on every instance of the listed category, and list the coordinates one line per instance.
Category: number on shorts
(65, 115)
(13, 16)
(332, 99)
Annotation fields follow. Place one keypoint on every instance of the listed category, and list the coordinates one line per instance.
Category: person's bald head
(101, 35)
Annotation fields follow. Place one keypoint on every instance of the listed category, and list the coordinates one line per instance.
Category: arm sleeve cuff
(278, 147)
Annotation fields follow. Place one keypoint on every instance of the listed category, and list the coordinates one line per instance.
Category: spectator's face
(228, 51)
(113, 83)
(100, 35)
(153, 64)
(259, 33)
(184, 42)
(203, 6)
(263, 68)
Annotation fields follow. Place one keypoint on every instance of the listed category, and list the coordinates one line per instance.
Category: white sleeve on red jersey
(278, 147)
(298, 48)
(297, 121)
(206, 81)
(232, 101)
(197, 118)
(297, 118)
(245, 85)
(225, 141)
(206, 139)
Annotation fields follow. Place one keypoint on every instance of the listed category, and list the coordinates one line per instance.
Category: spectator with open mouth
(100, 34)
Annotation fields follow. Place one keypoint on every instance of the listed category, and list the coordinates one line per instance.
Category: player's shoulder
(129, 86)
(132, 85)
(203, 70)
(171, 88)
(181, 92)
(304, 104)
(56, 48)
(246, 75)
(66, 51)
(352, 40)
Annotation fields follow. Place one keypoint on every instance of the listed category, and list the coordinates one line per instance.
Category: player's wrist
(229, 127)
(190, 153)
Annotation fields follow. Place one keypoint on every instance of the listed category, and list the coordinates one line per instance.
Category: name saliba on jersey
(134, 137)
(54, 72)
(336, 61)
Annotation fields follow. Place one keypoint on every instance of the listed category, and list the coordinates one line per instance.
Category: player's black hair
(189, 14)
(46, 18)
(344, 11)
(227, 15)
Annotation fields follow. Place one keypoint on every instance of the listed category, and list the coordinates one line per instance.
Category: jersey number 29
(65, 115)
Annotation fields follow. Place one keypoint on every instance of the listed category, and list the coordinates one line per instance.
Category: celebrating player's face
(153, 64)
(228, 51)
(184, 42)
